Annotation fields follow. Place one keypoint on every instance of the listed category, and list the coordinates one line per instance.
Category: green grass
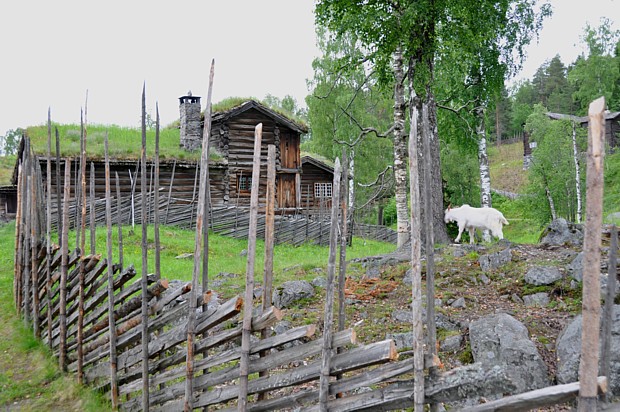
(30, 379)
(124, 142)
(225, 255)
(7, 165)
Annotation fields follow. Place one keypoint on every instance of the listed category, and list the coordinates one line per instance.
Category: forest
(451, 86)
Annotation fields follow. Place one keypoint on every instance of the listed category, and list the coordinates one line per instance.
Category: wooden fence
(148, 345)
(233, 221)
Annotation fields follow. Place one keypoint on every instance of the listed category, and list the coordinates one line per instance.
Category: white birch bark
(483, 163)
(577, 174)
(400, 151)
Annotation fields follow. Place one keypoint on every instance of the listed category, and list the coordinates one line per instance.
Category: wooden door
(286, 193)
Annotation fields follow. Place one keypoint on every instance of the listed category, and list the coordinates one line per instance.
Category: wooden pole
(269, 243)
(207, 205)
(588, 367)
(82, 273)
(609, 308)
(48, 227)
(93, 229)
(269, 228)
(58, 186)
(27, 243)
(119, 222)
(17, 274)
(145, 315)
(429, 244)
(34, 267)
(244, 364)
(199, 237)
(342, 273)
(174, 166)
(156, 197)
(416, 271)
(329, 298)
(111, 322)
(62, 357)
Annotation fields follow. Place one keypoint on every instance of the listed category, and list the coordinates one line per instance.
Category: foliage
(7, 166)
(611, 199)
(459, 168)
(553, 168)
(599, 73)
(10, 141)
(341, 106)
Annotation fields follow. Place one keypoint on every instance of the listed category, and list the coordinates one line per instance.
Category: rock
(575, 267)
(451, 343)
(500, 339)
(542, 275)
(281, 328)
(403, 316)
(184, 256)
(458, 303)
(537, 299)
(244, 252)
(494, 260)
(373, 272)
(613, 217)
(443, 322)
(320, 282)
(568, 348)
(401, 340)
(484, 279)
(560, 233)
(290, 292)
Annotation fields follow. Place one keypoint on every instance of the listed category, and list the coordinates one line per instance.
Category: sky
(55, 53)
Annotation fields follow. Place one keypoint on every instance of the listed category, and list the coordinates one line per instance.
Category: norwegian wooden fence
(232, 221)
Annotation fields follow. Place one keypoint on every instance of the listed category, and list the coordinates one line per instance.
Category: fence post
(144, 280)
(110, 267)
(62, 358)
(329, 298)
(591, 307)
(249, 276)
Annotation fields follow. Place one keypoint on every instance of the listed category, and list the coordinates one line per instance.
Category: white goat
(472, 218)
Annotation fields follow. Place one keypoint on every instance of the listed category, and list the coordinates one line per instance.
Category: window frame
(323, 190)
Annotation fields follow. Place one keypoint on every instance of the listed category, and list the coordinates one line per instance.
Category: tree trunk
(400, 151)
(483, 163)
(577, 174)
(437, 213)
(591, 302)
(416, 267)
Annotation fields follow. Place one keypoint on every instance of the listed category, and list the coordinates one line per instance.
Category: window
(244, 183)
(322, 190)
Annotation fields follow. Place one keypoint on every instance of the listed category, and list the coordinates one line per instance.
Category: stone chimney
(191, 132)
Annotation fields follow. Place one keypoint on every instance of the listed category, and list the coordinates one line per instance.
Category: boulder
(495, 260)
(575, 267)
(537, 299)
(568, 349)
(542, 275)
(290, 292)
(560, 233)
(500, 339)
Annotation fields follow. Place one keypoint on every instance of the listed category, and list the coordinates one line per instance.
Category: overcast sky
(54, 51)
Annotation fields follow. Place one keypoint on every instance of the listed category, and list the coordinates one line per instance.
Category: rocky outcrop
(568, 348)
(501, 339)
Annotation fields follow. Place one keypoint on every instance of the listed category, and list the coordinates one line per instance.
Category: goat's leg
(461, 229)
(472, 233)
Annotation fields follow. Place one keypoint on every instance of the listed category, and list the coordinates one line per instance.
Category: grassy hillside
(124, 142)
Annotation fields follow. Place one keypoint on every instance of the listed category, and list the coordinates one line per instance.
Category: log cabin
(300, 183)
